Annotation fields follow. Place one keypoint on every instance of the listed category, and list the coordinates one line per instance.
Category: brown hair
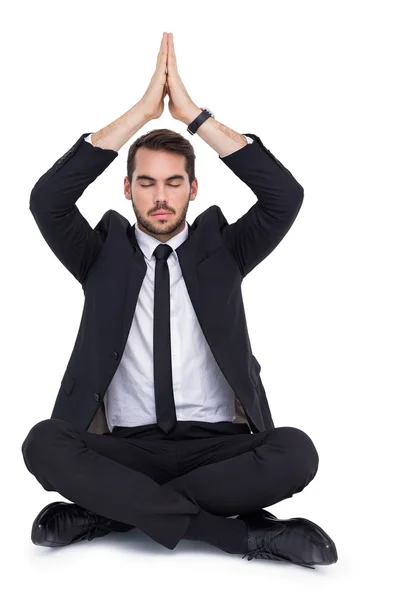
(167, 140)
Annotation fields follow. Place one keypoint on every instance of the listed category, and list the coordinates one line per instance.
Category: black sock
(225, 533)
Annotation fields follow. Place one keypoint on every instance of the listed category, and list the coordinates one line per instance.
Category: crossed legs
(136, 481)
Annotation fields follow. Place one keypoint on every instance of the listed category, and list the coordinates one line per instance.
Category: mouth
(160, 214)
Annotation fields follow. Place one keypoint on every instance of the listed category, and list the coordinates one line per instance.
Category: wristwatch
(203, 116)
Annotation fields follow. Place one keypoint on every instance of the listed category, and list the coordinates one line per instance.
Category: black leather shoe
(61, 523)
(293, 540)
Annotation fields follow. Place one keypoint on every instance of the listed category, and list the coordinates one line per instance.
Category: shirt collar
(148, 243)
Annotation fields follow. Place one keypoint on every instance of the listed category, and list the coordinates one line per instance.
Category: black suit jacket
(110, 266)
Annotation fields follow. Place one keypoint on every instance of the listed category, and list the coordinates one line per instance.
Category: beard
(151, 225)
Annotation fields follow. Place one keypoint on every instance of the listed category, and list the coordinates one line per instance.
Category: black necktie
(164, 395)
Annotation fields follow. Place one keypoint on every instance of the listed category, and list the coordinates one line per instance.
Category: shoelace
(96, 527)
(262, 552)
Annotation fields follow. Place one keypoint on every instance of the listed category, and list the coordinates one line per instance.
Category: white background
(316, 81)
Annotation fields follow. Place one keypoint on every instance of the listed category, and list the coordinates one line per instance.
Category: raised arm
(53, 197)
(279, 196)
(52, 200)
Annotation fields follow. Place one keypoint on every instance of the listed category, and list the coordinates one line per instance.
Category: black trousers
(157, 482)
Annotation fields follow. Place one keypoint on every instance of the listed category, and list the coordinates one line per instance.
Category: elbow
(32, 202)
(297, 200)
(299, 195)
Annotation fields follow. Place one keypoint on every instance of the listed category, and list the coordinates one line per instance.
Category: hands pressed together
(166, 80)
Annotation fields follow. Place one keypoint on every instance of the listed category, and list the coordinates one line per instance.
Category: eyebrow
(147, 177)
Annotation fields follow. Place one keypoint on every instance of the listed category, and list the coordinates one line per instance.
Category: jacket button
(115, 355)
(97, 397)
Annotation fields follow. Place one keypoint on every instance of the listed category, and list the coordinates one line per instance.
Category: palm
(179, 98)
(166, 80)
(171, 106)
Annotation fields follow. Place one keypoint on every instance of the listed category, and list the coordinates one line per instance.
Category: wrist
(191, 114)
(140, 112)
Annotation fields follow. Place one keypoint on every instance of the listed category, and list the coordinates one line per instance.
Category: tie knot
(162, 251)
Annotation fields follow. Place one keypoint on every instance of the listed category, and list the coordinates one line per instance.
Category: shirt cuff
(249, 141)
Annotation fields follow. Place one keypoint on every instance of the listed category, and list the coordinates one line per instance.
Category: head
(161, 177)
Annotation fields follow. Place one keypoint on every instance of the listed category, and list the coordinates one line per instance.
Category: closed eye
(170, 184)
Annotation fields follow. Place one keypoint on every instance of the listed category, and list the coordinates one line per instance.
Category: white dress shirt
(201, 391)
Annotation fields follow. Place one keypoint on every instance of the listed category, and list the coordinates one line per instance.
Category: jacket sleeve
(52, 204)
(279, 198)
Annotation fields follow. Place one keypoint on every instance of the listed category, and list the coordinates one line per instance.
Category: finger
(171, 44)
(171, 51)
(162, 53)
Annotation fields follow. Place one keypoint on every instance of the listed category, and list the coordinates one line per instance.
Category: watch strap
(203, 116)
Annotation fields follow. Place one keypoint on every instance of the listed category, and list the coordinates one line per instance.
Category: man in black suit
(161, 420)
